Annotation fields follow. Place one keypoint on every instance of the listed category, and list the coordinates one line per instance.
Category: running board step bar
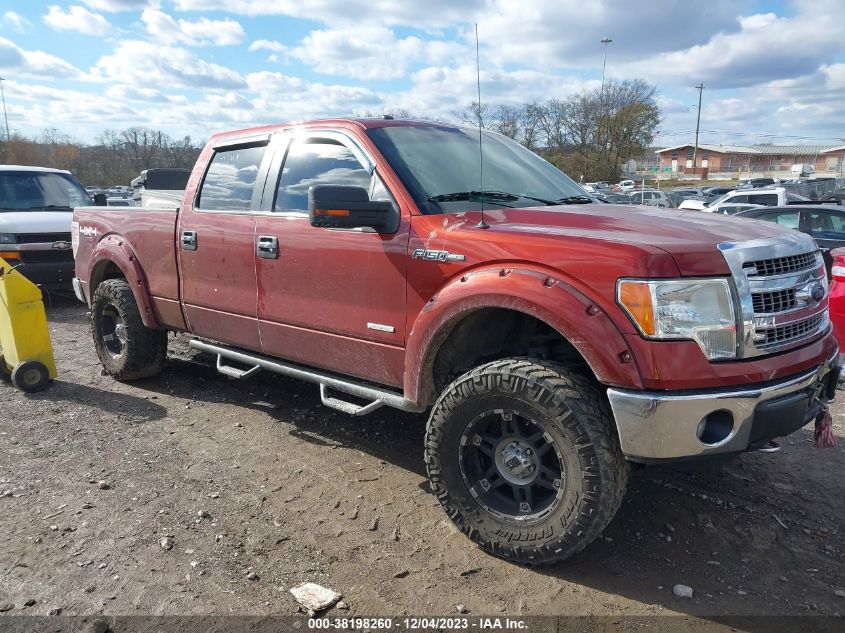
(378, 397)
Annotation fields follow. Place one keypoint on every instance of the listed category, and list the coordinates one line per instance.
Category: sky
(773, 70)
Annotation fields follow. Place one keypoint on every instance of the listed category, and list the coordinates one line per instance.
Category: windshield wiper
(492, 195)
(574, 200)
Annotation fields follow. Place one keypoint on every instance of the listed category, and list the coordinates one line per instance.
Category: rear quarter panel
(141, 242)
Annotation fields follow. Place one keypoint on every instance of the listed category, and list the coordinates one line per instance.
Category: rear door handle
(189, 240)
(267, 247)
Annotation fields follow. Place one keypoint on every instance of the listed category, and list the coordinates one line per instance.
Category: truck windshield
(39, 191)
(439, 166)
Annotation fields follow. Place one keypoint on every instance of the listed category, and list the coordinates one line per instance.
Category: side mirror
(344, 207)
(100, 200)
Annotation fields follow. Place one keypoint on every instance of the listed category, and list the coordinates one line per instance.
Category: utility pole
(700, 88)
(5, 116)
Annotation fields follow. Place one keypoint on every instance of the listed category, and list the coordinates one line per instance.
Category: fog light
(715, 427)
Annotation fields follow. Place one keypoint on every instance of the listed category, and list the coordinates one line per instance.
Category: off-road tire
(573, 410)
(144, 352)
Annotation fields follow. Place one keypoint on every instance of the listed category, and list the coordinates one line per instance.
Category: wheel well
(105, 270)
(490, 334)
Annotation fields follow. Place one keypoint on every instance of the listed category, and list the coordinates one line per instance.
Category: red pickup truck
(554, 338)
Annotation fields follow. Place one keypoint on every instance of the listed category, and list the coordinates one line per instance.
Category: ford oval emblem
(816, 291)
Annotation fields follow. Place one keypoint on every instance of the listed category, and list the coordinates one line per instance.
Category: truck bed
(150, 234)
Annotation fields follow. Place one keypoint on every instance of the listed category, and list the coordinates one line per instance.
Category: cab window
(230, 179)
(826, 225)
(766, 199)
(316, 161)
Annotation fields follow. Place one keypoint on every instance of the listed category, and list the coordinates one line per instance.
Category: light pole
(605, 40)
(5, 115)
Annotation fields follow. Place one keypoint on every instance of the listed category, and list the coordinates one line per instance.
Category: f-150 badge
(437, 256)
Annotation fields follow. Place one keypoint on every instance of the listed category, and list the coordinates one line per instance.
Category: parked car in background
(36, 205)
(651, 197)
(714, 192)
(626, 184)
(802, 169)
(755, 183)
(824, 222)
(769, 197)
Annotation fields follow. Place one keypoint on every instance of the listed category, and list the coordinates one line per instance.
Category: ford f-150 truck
(555, 339)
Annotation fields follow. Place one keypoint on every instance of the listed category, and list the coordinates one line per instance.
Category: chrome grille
(775, 301)
(777, 280)
(780, 265)
(789, 333)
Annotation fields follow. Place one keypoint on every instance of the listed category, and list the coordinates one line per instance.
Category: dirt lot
(296, 492)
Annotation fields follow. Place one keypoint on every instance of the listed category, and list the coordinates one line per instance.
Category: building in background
(769, 160)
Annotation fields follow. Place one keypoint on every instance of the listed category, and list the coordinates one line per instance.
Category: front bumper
(670, 425)
(49, 274)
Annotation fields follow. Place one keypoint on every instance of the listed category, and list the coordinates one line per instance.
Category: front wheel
(127, 348)
(524, 457)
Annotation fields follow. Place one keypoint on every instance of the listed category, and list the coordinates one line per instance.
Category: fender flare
(114, 249)
(532, 291)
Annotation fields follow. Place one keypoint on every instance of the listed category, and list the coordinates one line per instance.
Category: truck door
(329, 298)
(215, 241)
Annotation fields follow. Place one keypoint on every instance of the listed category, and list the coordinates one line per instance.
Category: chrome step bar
(378, 397)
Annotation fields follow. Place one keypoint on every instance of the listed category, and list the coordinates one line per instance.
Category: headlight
(7, 238)
(701, 310)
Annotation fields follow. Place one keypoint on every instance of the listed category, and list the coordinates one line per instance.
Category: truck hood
(690, 237)
(35, 221)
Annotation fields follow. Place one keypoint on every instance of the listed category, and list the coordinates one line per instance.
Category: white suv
(36, 210)
(767, 197)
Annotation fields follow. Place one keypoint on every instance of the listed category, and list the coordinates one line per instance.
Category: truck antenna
(482, 224)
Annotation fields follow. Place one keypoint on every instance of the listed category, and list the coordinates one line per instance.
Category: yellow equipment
(27, 356)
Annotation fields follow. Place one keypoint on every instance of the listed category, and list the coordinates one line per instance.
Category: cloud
(268, 45)
(77, 19)
(765, 47)
(34, 63)
(16, 21)
(202, 32)
(367, 52)
(154, 64)
(115, 6)
(389, 12)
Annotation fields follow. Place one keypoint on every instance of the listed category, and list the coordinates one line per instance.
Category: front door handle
(267, 247)
(189, 240)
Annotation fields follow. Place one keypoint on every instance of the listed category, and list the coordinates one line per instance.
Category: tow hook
(769, 447)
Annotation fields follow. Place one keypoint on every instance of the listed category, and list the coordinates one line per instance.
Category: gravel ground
(259, 488)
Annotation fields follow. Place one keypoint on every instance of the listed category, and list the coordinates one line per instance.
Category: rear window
(230, 179)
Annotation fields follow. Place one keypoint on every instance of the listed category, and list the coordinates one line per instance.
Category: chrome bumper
(666, 425)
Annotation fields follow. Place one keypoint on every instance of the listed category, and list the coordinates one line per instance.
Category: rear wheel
(127, 348)
(523, 456)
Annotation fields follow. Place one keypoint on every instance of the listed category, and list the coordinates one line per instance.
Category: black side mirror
(344, 207)
(100, 200)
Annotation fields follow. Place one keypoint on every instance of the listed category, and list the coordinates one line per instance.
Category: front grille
(789, 333)
(775, 301)
(46, 257)
(780, 265)
(41, 238)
